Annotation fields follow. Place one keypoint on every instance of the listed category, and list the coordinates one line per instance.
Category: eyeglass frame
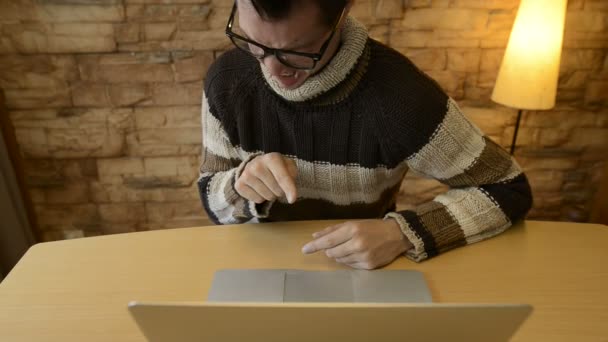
(316, 57)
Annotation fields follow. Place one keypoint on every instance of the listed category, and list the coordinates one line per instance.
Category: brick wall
(105, 97)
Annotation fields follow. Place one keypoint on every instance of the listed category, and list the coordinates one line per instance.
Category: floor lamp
(528, 75)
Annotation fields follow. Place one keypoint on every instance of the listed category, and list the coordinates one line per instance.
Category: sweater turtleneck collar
(354, 37)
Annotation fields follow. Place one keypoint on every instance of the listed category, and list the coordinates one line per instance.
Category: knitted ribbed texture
(353, 39)
(353, 143)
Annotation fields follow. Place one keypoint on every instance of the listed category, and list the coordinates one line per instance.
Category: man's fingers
(325, 231)
(350, 247)
(285, 180)
(267, 177)
(260, 188)
(250, 194)
(333, 239)
(349, 259)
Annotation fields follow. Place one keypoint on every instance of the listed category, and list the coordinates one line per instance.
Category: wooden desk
(78, 290)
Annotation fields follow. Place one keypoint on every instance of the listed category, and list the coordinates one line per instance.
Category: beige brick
(564, 119)
(466, 60)
(171, 166)
(179, 94)
(388, 9)
(585, 40)
(589, 137)
(127, 33)
(86, 142)
(215, 2)
(71, 193)
(136, 148)
(113, 192)
(574, 80)
(596, 4)
(119, 166)
(37, 71)
(72, 118)
(55, 11)
(474, 93)
(168, 117)
(498, 39)
(130, 94)
(486, 4)
(418, 3)
(541, 180)
(159, 182)
(410, 39)
(191, 66)
(170, 136)
(36, 195)
(427, 59)
(32, 142)
(528, 163)
(176, 214)
(67, 215)
(167, 12)
(553, 137)
(574, 5)
(586, 21)
(90, 95)
(38, 98)
(452, 82)
(487, 79)
(16, 10)
(581, 59)
(363, 10)
(6, 45)
(448, 19)
(194, 40)
(379, 33)
(597, 93)
(122, 212)
(127, 68)
(491, 59)
(61, 38)
(501, 20)
(491, 120)
(526, 136)
(159, 31)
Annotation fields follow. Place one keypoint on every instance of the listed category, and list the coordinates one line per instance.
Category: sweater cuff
(418, 253)
(258, 210)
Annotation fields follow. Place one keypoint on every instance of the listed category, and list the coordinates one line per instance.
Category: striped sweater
(354, 130)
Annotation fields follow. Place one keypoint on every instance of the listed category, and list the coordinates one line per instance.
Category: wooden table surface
(78, 290)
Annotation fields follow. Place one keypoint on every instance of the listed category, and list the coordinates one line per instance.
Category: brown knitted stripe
(213, 163)
(492, 164)
(441, 225)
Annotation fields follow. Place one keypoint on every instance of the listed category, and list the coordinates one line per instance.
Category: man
(309, 118)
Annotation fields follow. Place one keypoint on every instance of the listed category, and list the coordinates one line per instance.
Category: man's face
(300, 31)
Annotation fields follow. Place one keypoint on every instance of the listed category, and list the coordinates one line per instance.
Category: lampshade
(530, 67)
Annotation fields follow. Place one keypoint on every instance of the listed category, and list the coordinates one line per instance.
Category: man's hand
(268, 177)
(365, 244)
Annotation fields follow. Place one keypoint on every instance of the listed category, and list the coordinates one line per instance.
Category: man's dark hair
(279, 9)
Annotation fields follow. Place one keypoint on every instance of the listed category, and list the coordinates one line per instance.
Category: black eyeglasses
(292, 59)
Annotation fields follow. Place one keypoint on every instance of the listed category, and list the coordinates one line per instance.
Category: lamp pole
(515, 132)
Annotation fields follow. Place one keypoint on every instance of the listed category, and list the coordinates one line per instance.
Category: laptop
(309, 309)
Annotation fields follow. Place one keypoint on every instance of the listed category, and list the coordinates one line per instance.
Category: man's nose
(274, 66)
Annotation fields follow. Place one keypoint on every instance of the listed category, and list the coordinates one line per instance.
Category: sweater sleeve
(222, 163)
(488, 190)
